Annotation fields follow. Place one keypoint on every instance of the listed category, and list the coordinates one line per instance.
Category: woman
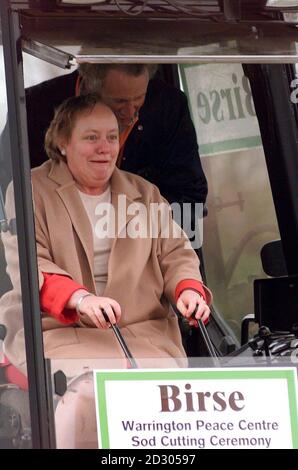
(100, 251)
(83, 269)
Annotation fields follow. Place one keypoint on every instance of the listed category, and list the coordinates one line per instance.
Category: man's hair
(62, 124)
(92, 75)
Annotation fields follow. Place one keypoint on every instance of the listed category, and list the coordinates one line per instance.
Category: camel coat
(142, 272)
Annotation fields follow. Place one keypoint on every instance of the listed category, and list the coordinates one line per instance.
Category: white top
(99, 213)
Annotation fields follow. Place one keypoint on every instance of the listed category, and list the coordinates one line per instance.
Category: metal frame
(279, 133)
(186, 59)
(25, 225)
(228, 10)
(49, 54)
(113, 39)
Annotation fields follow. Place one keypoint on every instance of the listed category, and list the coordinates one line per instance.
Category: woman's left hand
(187, 303)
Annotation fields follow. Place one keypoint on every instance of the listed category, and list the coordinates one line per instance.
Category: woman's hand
(187, 303)
(91, 306)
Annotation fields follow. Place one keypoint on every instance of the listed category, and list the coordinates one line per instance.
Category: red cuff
(191, 284)
(13, 375)
(54, 295)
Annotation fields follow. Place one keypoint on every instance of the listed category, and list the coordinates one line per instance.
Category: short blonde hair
(62, 125)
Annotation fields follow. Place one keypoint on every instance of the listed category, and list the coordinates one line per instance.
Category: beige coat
(142, 272)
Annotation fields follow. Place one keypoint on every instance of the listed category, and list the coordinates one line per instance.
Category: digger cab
(237, 63)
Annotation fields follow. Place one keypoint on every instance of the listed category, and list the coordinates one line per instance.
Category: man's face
(125, 94)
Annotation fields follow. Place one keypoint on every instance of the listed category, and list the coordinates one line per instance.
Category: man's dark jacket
(162, 147)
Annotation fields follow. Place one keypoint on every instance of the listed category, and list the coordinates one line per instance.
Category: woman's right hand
(91, 306)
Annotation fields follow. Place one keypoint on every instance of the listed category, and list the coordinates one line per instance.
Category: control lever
(205, 336)
(265, 334)
(121, 341)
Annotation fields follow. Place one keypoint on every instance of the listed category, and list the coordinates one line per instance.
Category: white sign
(197, 409)
(222, 107)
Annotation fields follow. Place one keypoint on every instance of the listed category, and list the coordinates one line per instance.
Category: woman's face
(92, 150)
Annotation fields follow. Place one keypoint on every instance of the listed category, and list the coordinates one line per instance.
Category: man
(157, 135)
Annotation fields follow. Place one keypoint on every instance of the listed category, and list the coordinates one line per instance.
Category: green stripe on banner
(231, 145)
